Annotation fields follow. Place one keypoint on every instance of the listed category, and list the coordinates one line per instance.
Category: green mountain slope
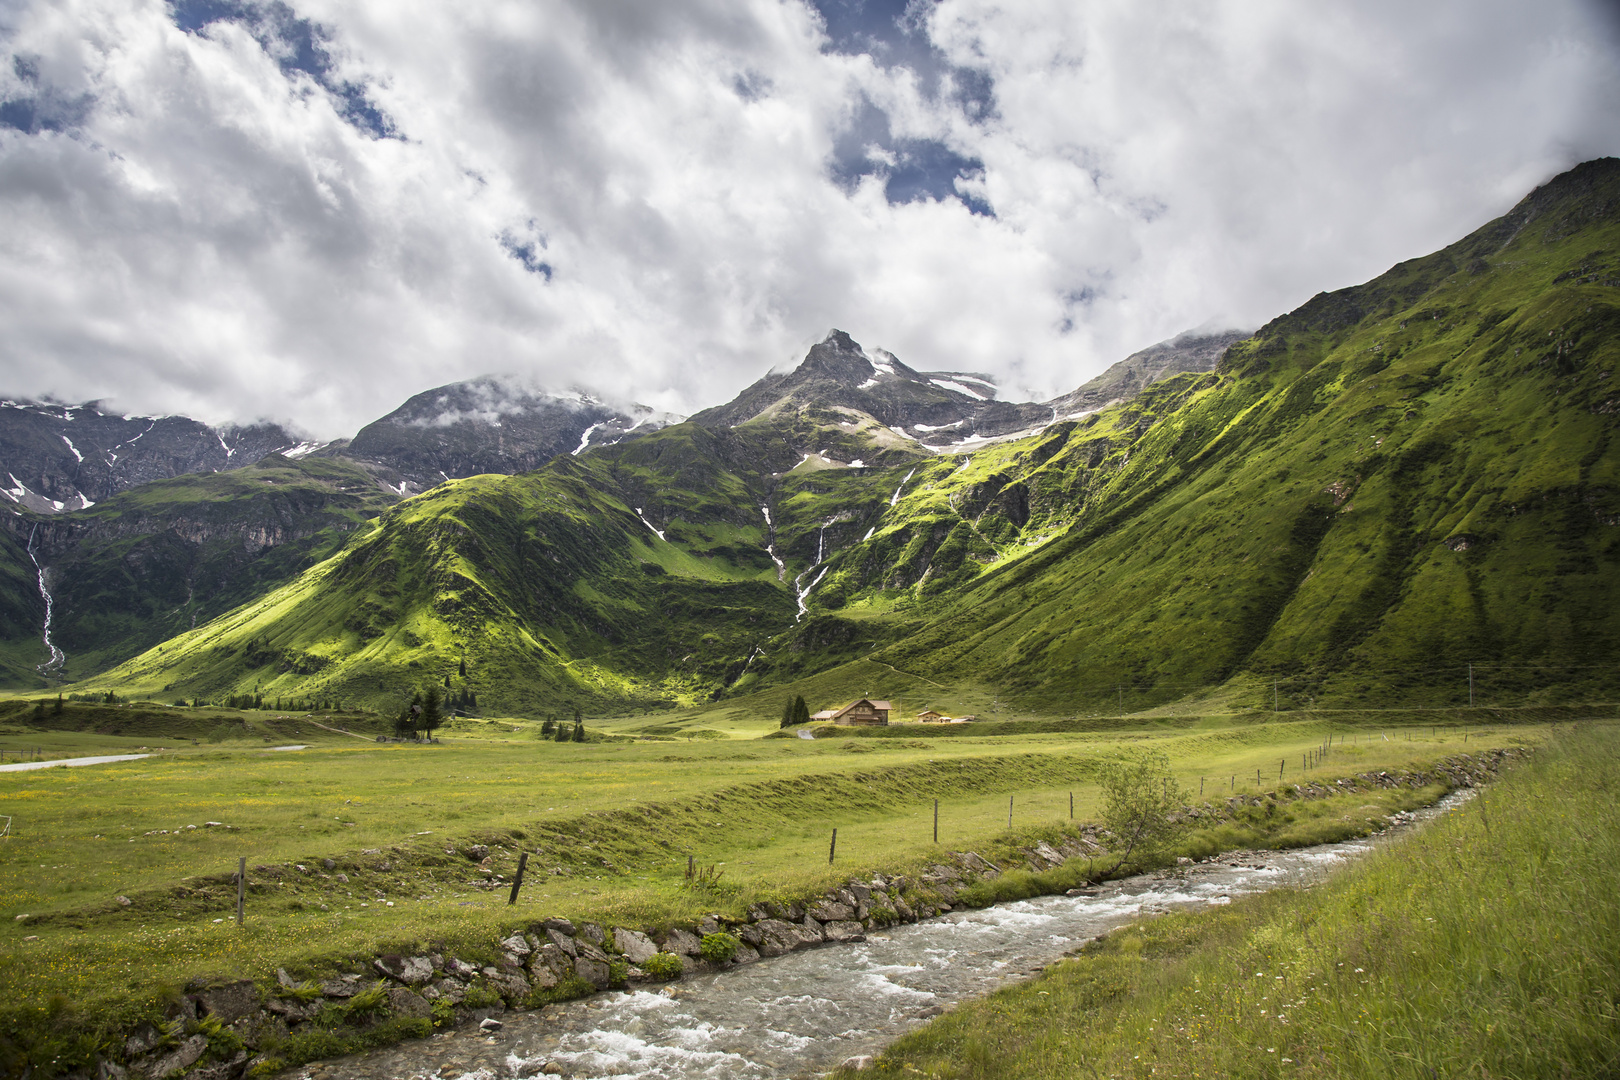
(162, 557)
(1391, 483)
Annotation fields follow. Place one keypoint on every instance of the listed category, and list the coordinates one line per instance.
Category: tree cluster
(795, 712)
(422, 716)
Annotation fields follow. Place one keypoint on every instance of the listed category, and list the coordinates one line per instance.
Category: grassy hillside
(1483, 946)
(1394, 483)
(1390, 484)
(162, 557)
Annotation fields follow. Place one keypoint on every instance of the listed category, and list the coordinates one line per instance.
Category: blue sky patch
(912, 169)
(526, 252)
(297, 44)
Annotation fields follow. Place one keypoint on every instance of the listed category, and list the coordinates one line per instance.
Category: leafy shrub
(719, 947)
(222, 1041)
(369, 1004)
(662, 966)
(444, 1012)
(618, 972)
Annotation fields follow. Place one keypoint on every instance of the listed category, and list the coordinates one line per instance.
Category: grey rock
(144, 1038)
(284, 980)
(844, 931)
(221, 1070)
(831, 911)
(489, 1023)
(182, 1057)
(344, 986)
(330, 864)
(636, 946)
(593, 933)
(858, 1063)
(563, 941)
(229, 1002)
(410, 970)
(292, 1010)
(711, 925)
(552, 960)
(903, 909)
(1044, 850)
(561, 926)
(746, 954)
(517, 944)
(592, 972)
(862, 894)
(684, 942)
(460, 969)
(450, 988)
(511, 986)
(758, 912)
(526, 1069)
(542, 977)
(778, 937)
(591, 952)
(111, 1070)
(752, 935)
(408, 1002)
(477, 852)
(551, 1068)
(123, 901)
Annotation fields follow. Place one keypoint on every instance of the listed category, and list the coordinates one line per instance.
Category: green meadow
(356, 847)
(1483, 946)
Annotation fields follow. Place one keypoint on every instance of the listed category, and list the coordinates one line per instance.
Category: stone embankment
(228, 1030)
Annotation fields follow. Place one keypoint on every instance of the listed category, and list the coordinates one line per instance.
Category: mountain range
(1353, 504)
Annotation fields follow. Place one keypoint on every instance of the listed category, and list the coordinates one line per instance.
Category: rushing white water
(799, 1015)
(895, 498)
(770, 545)
(58, 657)
(649, 524)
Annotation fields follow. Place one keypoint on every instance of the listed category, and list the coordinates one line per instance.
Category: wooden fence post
(517, 880)
(936, 821)
(241, 887)
(1071, 806)
(1009, 812)
(832, 849)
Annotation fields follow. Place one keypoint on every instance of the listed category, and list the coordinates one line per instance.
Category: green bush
(719, 947)
(618, 972)
(662, 966)
(444, 1012)
(369, 1004)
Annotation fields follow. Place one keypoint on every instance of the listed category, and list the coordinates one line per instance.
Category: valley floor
(116, 888)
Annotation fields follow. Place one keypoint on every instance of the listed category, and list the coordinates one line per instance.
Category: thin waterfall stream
(58, 657)
(796, 1016)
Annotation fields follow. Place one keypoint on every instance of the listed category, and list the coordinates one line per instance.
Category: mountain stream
(799, 1015)
(58, 657)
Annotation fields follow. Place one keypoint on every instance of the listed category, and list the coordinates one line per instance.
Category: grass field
(612, 822)
(1487, 945)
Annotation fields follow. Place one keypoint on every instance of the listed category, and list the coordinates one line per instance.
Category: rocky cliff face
(55, 458)
(490, 425)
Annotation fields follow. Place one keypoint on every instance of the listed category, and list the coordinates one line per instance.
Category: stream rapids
(797, 1016)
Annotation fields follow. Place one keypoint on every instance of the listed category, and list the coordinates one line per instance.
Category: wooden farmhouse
(931, 716)
(861, 711)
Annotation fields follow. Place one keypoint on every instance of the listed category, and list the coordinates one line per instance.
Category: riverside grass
(1487, 945)
(617, 818)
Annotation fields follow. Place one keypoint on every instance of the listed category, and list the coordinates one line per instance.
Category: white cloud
(207, 233)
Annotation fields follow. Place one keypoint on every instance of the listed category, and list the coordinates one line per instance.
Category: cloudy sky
(311, 210)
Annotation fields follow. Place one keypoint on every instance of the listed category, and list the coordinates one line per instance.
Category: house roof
(882, 706)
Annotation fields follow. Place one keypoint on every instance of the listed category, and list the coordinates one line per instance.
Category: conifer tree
(548, 727)
(801, 711)
(432, 717)
(59, 706)
(562, 733)
(463, 667)
(579, 731)
(790, 714)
